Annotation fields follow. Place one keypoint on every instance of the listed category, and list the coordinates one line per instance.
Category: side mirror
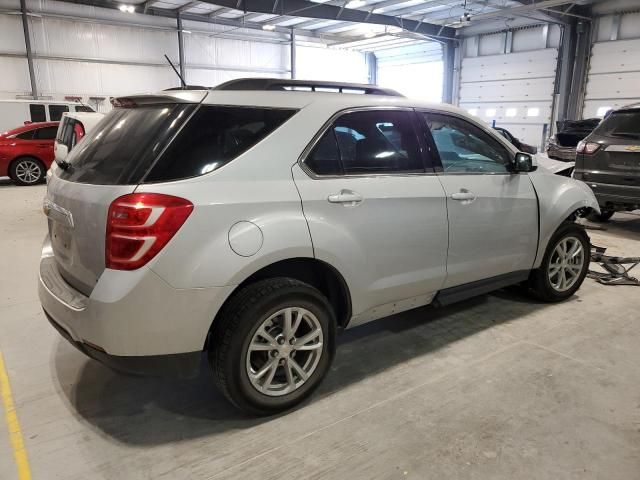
(523, 162)
(61, 151)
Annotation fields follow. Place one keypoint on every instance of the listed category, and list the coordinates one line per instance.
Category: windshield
(624, 124)
(124, 145)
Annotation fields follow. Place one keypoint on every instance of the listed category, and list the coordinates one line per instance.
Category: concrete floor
(498, 387)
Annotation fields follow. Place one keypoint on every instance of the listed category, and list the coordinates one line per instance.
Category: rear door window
(37, 113)
(56, 111)
(213, 137)
(368, 142)
(46, 133)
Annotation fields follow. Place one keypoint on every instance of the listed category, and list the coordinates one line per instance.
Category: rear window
(125, 146)
(621, 124)
(84, 108)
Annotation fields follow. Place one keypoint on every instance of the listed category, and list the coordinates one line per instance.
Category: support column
(448, 57)
(372, 68)
(180, 47)
(580, 67)
(293, 54)
(27, 44)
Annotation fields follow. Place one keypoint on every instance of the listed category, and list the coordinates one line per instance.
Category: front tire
(27, 171)
(564, 266)
(273, 344)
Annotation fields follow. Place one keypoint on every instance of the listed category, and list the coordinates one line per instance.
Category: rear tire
(254, 356)
(603, 216)
(564, 266)
(27, 171)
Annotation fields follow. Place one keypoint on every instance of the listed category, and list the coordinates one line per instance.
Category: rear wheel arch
(321, 275)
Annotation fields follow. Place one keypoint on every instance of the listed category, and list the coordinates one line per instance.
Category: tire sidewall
(240, 387)
(14, 167)
(569, 230)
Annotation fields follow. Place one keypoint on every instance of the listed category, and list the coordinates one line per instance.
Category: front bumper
(131, 319)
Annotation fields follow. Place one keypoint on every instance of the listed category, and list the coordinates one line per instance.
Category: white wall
(107, 53)
(614, 65)
(313, 63)
(416, 71)
(512, 83)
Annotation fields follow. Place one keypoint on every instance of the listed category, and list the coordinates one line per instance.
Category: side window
(56, 111)
(465, 148)
(368, 142)
(37, 112)
(324, 159)
(47, 133)
(26, 135)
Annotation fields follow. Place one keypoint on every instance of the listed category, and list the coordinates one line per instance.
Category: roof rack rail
(186, 87)
(304, 85)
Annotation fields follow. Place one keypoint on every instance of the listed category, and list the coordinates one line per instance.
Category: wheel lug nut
(274, 353)
(280, 340)
(292, 341)
(282, 361)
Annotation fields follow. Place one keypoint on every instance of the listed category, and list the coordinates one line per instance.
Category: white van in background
(73, 126)
(15, 113)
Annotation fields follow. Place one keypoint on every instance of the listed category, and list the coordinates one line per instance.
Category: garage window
(368, 142)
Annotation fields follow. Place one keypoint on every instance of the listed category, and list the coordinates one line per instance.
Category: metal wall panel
(613, 78)
(491, 44)
(17, 83)
(515, 90)
(11, 36)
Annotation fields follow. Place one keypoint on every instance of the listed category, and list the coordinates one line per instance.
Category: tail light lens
(587, 147)
(139, 225)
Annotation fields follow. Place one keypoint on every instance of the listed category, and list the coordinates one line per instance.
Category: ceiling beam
(305, 8)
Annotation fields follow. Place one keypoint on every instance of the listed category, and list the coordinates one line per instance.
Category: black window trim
(503, 142)
(426, 165)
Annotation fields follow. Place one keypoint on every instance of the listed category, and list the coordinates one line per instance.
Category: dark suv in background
(608, 160)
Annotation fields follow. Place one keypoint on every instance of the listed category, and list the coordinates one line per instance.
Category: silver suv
(256, 221)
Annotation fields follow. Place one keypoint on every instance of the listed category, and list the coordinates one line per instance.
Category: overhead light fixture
(186, 31)
(355, 4)
(269, 28)
(369, 34)
(378, 10)
(127, 8)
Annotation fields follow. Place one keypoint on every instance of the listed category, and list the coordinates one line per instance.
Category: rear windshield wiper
(63, 164)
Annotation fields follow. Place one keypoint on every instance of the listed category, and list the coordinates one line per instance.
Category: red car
(27, 152)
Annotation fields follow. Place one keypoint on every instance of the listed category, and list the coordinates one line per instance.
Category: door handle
(346, 197)
(463, 196)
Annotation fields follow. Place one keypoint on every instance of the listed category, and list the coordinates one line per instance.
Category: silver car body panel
(391, 248)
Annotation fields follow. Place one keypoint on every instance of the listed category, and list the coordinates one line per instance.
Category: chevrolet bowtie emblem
(633, 148)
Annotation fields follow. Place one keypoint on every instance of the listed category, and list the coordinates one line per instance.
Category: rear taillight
(587, 147)
(139, 225)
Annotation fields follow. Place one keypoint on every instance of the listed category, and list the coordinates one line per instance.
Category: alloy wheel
(284, 351)
(28, 171)
(566, 263)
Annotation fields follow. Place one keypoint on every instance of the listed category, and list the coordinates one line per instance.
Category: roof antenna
(184, 84)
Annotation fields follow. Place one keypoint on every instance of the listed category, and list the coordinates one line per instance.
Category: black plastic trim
(480, 287)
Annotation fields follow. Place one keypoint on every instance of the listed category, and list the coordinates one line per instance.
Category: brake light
(587, 147)
(139, 225)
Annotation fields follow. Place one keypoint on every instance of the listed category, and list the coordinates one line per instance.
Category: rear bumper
(624, 196)
(183, 365)
(131, 319)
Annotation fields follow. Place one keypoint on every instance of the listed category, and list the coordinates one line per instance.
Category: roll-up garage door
(514, 89)
(414, 70)
(614, 77)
